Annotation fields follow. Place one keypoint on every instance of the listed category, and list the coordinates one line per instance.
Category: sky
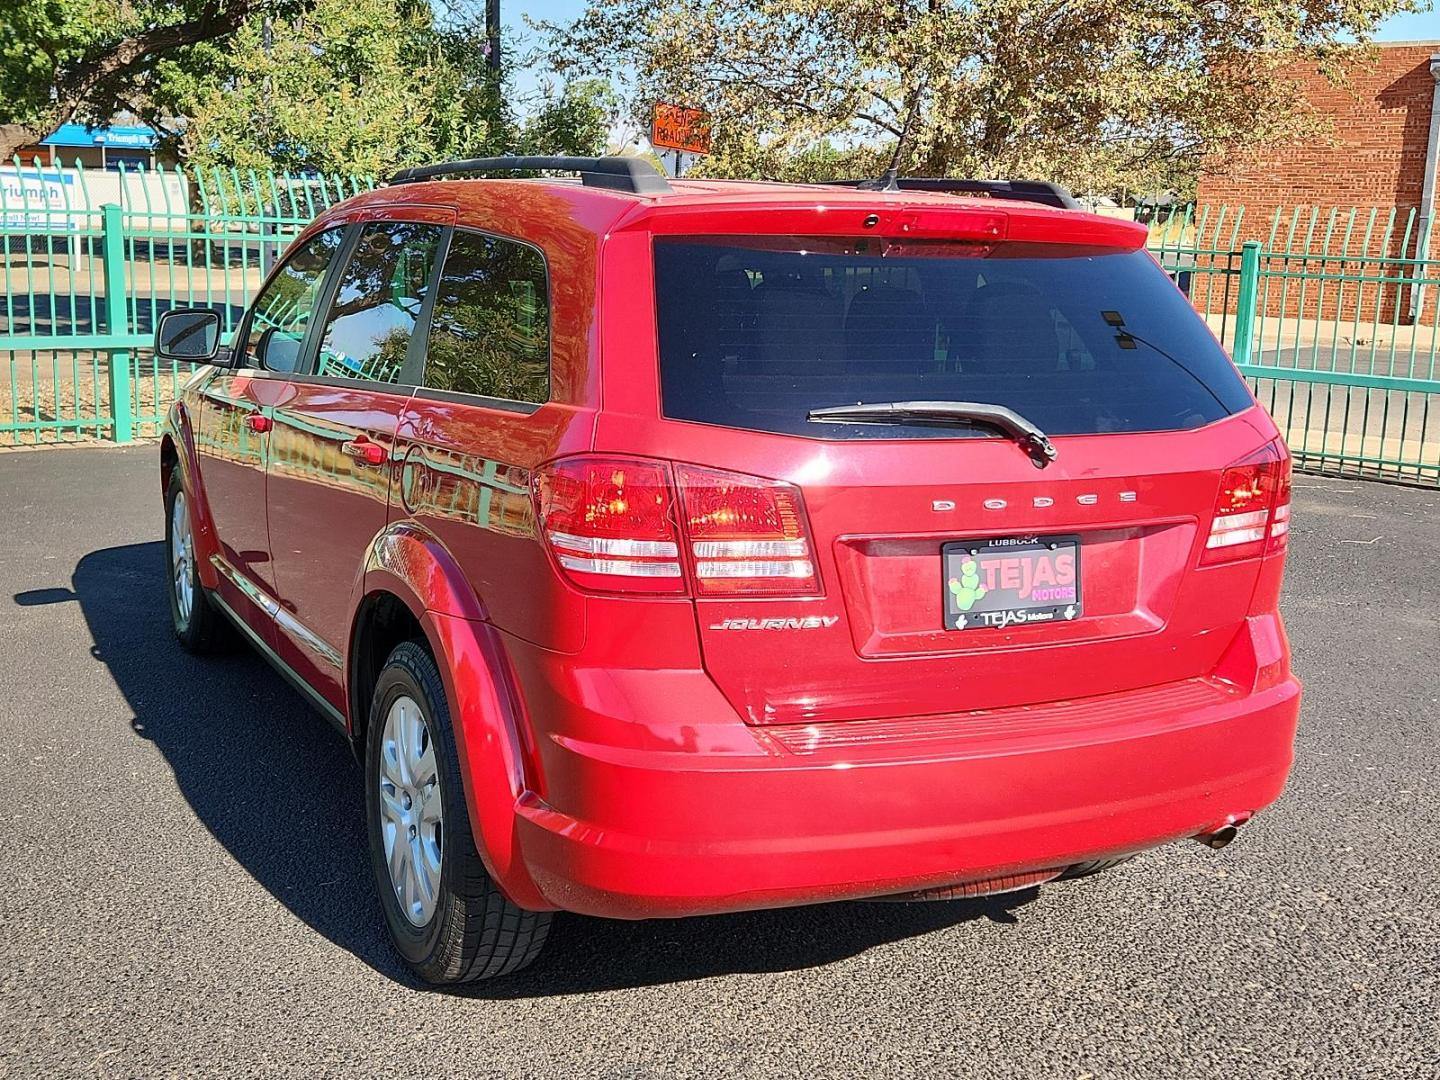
(1424, 26)
(512, 13)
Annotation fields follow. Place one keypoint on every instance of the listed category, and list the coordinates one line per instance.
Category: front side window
(756, 333)
(490, 332)
(378, 301)
(284, 310)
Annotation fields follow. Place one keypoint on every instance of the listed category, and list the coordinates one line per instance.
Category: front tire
(444, 913)
(198, 626)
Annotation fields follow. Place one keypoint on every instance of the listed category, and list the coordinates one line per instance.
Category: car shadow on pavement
(280, 790)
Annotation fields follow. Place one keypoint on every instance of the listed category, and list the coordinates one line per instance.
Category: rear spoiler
(1036, 191)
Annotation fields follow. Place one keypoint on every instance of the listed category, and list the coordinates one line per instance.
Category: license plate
(1010, 581)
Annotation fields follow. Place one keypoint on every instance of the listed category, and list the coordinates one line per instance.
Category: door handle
(258, 422)
(364, 451)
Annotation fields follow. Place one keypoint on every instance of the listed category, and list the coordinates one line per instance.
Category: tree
(575, 120)
(352, 86)
(369, 86)
(1089, 92)
(64, 60)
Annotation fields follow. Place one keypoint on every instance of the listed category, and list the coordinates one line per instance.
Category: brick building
(1377, 155)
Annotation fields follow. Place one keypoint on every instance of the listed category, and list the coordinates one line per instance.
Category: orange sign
(675, 127)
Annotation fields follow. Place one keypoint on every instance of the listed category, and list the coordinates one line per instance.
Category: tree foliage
(63, 60)
(369, 86)
(575, 119)
(350, 86)
(353, 86)
(1089, 92)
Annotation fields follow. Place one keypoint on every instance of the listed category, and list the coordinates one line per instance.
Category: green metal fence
(1331, 316)
(90, 260)
(1329, 313)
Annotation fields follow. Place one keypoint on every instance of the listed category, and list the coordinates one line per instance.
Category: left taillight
(1252, 510)
(611, 523)
(628, 525)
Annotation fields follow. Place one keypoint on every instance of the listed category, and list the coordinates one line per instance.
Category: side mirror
(189, 335)
(279, 350)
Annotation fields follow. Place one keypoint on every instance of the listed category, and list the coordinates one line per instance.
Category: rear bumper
(869, 808)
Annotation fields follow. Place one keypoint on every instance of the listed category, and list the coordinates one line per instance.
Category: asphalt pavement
(185, 889)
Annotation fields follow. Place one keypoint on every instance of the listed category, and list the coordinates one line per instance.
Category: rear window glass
(755, 333)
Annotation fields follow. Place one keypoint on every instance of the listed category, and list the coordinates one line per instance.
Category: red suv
(679, 547)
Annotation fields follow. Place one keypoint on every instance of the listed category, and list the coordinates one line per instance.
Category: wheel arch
(413, 590)
(177, 451)
(169, 460)
(382, 622)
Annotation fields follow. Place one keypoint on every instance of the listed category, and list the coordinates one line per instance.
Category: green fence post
(1244, 339)
(117, 321)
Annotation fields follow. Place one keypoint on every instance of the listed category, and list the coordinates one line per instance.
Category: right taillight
(1279, 534)
(748, 536)
(620, 524)
(1252, 510)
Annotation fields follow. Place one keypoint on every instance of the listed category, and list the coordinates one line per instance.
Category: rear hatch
(956, 567)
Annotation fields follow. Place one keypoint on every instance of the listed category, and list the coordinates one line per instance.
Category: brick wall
(1373, 157)
(1376, 154)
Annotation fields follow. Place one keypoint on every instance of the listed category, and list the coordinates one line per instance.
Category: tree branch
(150, 116)
(217, 19)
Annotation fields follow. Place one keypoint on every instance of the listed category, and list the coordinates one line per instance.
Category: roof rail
(1036, 191)
(617, 173)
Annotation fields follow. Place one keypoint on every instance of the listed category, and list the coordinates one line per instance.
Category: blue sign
(136, 136)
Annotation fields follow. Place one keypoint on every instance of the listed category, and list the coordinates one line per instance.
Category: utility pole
(492, 38)
(267, 44)
(268, 251)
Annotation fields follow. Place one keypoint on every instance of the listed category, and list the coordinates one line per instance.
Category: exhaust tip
(1218, 838)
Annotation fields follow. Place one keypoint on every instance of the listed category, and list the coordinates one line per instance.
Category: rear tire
(445, 915)
(199, 626)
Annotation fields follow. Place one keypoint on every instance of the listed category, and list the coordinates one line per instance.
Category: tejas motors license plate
(1012, 581)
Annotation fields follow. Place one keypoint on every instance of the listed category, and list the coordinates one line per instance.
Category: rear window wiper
(968, 413)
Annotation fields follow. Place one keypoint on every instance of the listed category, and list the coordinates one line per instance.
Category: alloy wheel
(182, 556)
(411, 822)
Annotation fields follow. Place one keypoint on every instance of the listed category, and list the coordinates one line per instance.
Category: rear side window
(756, 333)
(490, 332)
(378, 301)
